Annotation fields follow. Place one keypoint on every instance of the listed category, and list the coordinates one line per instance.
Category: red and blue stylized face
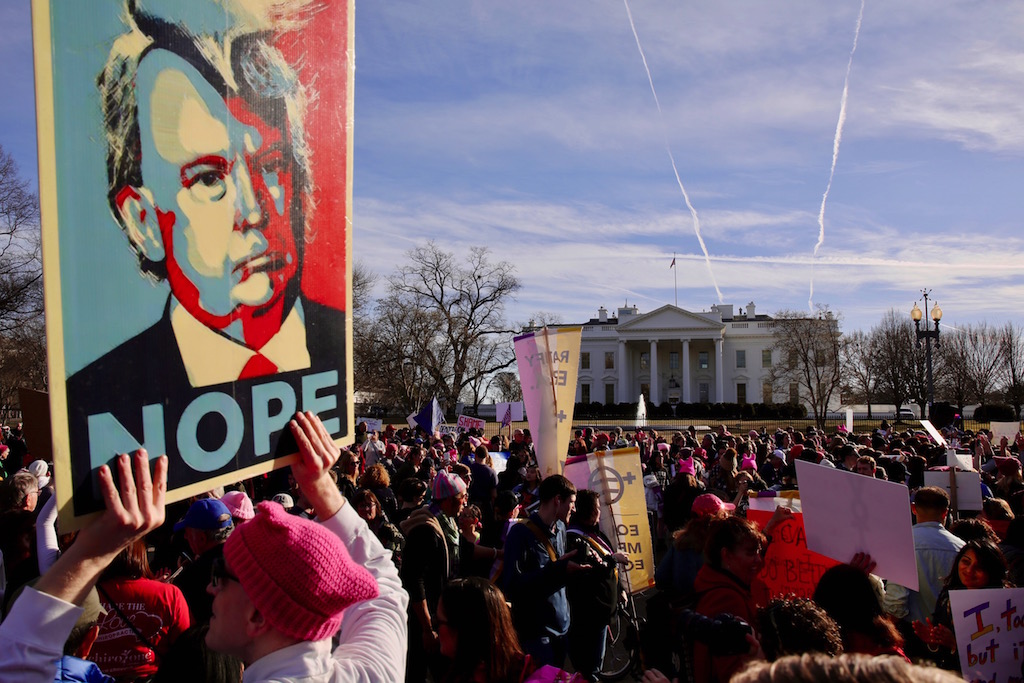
(217, 201)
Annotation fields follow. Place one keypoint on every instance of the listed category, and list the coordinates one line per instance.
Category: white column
(686, 371)
(719, 368)
(623, 377)
(655, 394)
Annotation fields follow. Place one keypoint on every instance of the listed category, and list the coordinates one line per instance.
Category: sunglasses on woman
(219, 572)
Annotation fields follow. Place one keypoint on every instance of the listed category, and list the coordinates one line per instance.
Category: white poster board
(1000, 429)
(373, 424)
(989, 627)
(847, 513)
(962, 460)
(934, 433)
(968, 487)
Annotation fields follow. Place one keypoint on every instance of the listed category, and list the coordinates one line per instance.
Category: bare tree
(363, 282)
(1011, 344)
(972, 357)
(897, 361)
(508, 387)
(860, 368)
(954, 382)
(393, 354)
(465, 296)
(21, 273)
(22, 362)
(810, 355)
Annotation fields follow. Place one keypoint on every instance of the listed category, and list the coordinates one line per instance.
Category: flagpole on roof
(675, 277)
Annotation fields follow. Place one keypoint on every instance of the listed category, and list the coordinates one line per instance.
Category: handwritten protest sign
(1000, 429)
(847, 513)
(989, 628)
(789, 567)
(373, 424)
(466, 423)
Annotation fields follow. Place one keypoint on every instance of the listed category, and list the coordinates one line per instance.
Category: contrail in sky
(671, 158)
(835, 151)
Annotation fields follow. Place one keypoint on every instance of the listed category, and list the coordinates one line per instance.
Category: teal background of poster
(104, 298)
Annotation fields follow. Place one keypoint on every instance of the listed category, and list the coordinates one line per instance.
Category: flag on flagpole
(673, 264)
(507, 419)
(430, 416)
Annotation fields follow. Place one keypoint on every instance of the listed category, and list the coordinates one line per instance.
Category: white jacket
(373, 635)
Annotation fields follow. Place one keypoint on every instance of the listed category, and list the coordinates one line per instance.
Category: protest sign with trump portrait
(195, 180)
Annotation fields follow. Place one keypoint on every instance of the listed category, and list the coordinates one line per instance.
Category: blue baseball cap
(207, 514)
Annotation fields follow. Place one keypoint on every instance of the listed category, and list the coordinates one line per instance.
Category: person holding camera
(593, 595)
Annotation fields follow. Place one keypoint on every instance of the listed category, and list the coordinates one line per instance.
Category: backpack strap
(543, 538)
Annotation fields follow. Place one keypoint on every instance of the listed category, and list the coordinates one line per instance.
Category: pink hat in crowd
(749, 462)
(447, 485)
(663, 447)
(780, 454)
(238, 505)
(298, 574)
(709, 504)
(687, 467)
(1007, 465)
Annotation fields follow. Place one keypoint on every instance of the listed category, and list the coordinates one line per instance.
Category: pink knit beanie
(298, 574)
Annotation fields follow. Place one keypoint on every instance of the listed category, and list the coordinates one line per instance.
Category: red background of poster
(322, 49)
(789, 567)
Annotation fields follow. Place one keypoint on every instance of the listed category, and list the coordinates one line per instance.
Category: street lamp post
(927, 334)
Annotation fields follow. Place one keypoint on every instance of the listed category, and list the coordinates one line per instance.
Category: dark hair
(989, 556)
(932, 498)
(997, 508)
(555, 486)
(477, 612)
(792, 626)
(363, 495)
(848, 596)
(587, 502)
(506, 502)
(1015, 532)
(730, 534)
(972, 528)
(189, 659)
(412, 489)
(131, 563)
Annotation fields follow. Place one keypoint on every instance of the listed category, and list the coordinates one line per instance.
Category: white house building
(672, 355)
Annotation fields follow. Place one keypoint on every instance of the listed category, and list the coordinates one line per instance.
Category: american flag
(507, 419)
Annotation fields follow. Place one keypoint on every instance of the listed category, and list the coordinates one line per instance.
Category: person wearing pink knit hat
(239, 505)
(285, 586)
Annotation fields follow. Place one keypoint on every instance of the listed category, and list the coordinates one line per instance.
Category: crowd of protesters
(446, 557)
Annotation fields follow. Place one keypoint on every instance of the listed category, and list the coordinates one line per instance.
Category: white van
(906, 415)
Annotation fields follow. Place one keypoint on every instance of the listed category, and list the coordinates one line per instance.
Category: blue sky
(531, 127)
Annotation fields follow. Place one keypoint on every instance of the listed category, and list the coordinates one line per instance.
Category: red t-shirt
(157, 610)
